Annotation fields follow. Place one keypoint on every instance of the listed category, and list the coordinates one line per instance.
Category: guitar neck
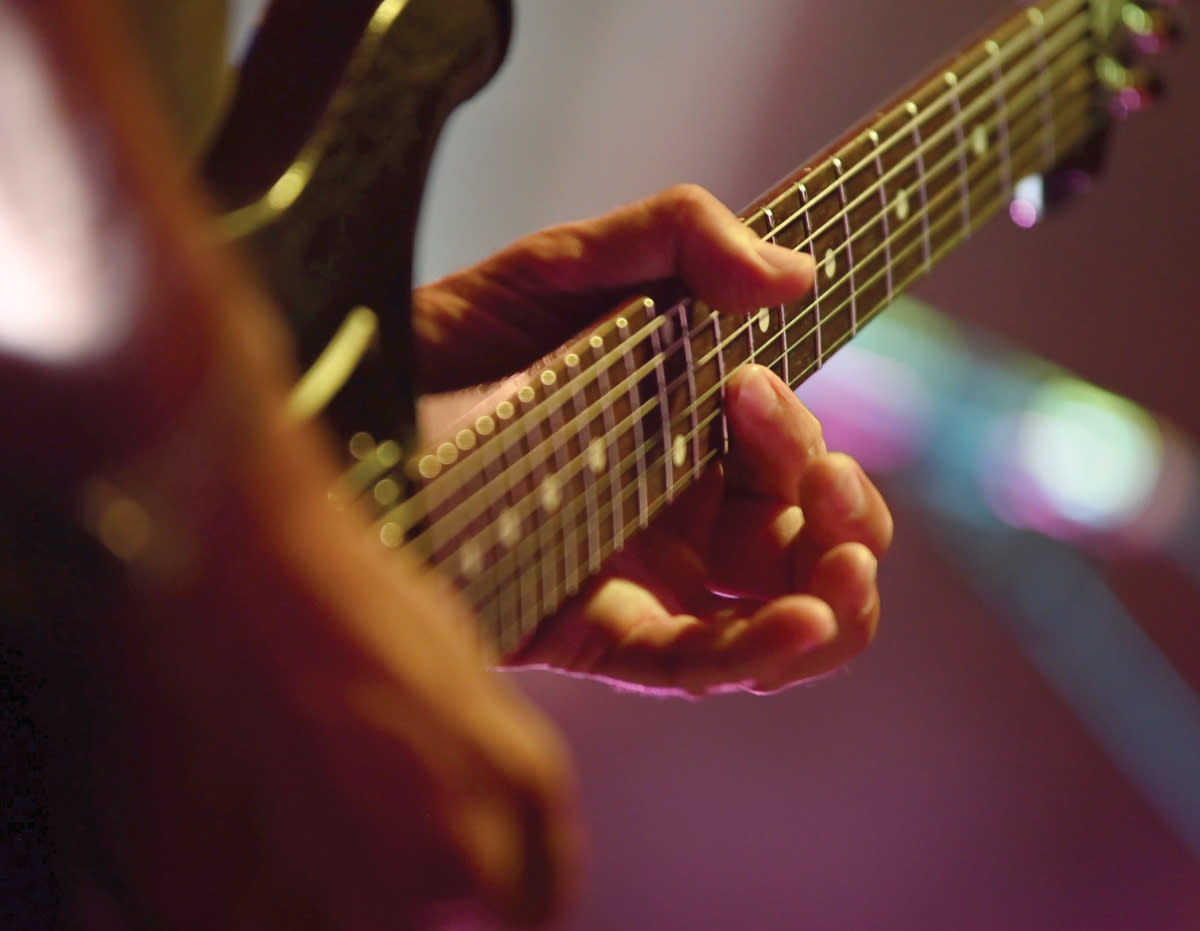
(525, 503)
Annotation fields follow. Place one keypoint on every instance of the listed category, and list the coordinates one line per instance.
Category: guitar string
(576, 464)
(1015, 75)
(564, 518)
(567, 474)
(503, 583)
(947, 161)
(882, 250)
(1030, 55)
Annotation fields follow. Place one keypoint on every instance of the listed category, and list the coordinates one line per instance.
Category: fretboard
(524, 504)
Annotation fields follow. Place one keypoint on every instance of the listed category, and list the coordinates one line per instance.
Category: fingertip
(804, 626)
(754, 399)
(786, 265)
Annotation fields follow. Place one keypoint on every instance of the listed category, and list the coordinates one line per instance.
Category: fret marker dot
(505, 410)
(571, 361)
(525, 395)
(361, 445)
(447, 454)
(679, 450)
(485, 426)
(548, 377)
(470, 559)
(390, 535)
(510, 528)
(465, 440)
(597, 455)
(902, 205)
(622, 323)
(831, 264)
(387, 492)
(764, 319)
(979, 140)
(596, 342)
(388, 453)
(429, 467)
(551, 495)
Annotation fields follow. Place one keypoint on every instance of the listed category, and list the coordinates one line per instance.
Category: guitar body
(322, 168)
(380, 80)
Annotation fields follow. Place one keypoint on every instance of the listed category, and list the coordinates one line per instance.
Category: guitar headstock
(1132, 34)
(1129, 36)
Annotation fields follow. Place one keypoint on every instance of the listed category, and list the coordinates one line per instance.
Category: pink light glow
(1023, 213)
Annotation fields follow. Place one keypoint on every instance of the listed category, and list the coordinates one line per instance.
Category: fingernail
(851, 496)
(872, 575)
(756, 398)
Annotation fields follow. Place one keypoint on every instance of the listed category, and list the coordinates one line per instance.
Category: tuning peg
(1131, 88)
(1151, 27)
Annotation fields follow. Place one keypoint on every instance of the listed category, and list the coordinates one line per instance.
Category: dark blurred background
(1016, 749)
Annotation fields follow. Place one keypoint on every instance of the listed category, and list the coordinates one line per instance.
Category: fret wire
(1084, 101)
(600, 406)
(641, 372)
(950, 157)
(818, 290)
(921, 144)
(561, 395)
(722, 376)
(561, 452)
(1015, 75)
(508, 563)
(1082, 124)
(527, 506)
(723, 341)
(770, 215)
(526, 626)
(1082, 98)
(848, 243)
(885, 213)
(978, 73)
(960, 139)
(995, 204)
(689, 365)
(547, 403)
(664, 404)
(615, 503)
(1037, 20)
(609, 394)
(1003, 128)
(509, 567)
(1034, 160)
(591, 495)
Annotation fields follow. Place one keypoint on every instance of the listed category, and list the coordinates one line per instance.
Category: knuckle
(685, 203)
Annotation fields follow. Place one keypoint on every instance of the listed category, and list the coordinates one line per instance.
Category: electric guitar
(531, 496)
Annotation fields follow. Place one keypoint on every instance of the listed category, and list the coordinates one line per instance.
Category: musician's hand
(793, 531)
(508, 311)
(788, 533)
